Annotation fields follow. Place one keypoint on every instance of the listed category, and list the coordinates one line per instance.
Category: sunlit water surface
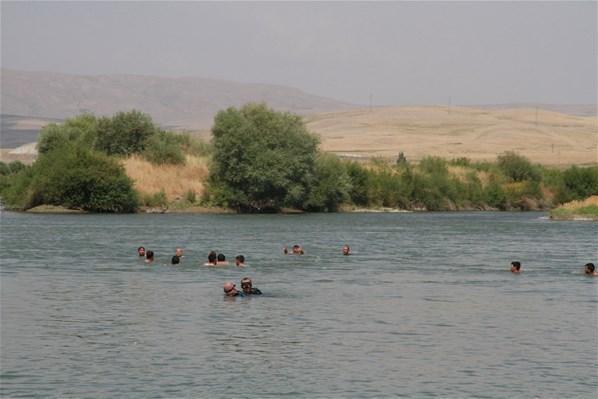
(425, 307)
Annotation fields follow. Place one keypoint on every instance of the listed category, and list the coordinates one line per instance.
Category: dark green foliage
(125, 133)
(517, 167)
(81, 130)
(494, 195)
(164, 148)
(332, 184)
(578, 183)
(263, 160)
(16, 166)
(359, 179)
(4, 169)
(73, 177)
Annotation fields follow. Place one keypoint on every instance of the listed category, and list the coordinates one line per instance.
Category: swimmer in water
(240, 261)
(246, 286)
(515, 267)
(297, 250)
(221, 260)
(590, 269)
(149, 257)
(141, 251)
(346, 250)
(211, 259)
(175, 260)
(179, 252)
(230, 289)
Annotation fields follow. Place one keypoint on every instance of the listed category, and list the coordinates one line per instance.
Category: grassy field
(546, 137)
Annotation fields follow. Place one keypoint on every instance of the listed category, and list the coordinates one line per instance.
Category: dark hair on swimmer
(590, 267)
(149, 255)
(516, 264)
(240, 258)
(212, 257)
(221, 258)
(175, 260)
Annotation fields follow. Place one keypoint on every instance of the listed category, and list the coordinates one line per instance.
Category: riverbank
(577, 210)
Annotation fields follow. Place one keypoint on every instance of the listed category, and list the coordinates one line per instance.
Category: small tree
(517, 167)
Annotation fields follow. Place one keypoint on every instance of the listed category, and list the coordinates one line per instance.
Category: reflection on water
(424, 307)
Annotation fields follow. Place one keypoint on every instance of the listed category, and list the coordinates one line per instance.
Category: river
(424, 307)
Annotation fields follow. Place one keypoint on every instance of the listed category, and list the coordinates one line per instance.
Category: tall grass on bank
(587, 208)
(174, 181)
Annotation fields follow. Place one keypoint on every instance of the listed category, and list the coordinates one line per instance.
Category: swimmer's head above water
(590, 269)
(515, 267)
(346, 250)
(230, 289)
(141, 251)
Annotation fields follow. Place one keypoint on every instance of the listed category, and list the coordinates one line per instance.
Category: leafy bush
(331, 186)
(80, 130)
(73, 177)
(4, 169)
(164, 148)
(494, 195)
(359, 180)
(517, 167)
(262, 160)
(578, 183)
(125, 133)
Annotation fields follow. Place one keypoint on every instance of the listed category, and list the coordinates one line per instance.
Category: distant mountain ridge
(186, 102)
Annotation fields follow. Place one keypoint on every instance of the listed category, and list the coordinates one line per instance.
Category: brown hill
(187, 102)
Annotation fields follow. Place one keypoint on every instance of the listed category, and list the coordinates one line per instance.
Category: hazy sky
(402, 52)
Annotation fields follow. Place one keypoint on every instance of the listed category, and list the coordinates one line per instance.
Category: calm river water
(425, 307)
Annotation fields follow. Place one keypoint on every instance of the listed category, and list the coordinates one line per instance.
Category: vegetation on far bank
(585, 209)
(261, 160)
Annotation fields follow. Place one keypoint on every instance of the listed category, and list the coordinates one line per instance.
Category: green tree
(517, 167)
(262, 160)
(125, 133)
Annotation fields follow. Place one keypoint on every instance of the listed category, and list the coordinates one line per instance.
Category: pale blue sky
(402, 52)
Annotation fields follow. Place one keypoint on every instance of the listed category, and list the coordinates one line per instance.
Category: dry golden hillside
(480, 134)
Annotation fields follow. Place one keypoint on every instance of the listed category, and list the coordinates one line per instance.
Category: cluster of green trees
(124, 134)
(265, 161)
(78, 164)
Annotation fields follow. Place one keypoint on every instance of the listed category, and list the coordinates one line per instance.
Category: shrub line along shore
(264, 161)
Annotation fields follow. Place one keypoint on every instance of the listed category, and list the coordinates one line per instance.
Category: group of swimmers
(216, 259)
